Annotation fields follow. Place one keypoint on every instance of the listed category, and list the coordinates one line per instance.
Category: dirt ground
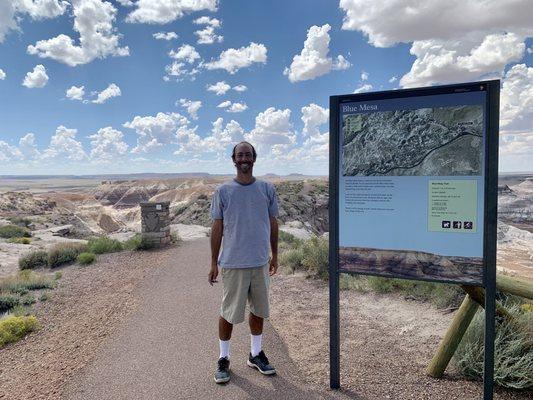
(386, 342)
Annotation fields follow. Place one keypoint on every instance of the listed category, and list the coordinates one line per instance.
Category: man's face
(244, 159)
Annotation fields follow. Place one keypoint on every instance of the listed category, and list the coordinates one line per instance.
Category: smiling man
(244, 213)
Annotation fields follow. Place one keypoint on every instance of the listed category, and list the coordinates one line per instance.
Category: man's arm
(274, 245)
(216, 240)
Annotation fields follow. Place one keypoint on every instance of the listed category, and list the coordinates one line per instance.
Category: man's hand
(213, 274)
(273, 266)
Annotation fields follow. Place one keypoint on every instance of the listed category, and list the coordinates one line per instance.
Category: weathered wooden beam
(518, 286)
(478, 295)
(451, 340)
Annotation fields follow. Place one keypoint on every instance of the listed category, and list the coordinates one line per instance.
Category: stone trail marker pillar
(155, 220)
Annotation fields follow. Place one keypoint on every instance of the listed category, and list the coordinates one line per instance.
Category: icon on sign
(456, 224)
(446, 224)
(467, 224)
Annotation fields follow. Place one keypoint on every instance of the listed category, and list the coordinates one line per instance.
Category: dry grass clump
(513, 351)
(63, 253)
(103, 245)
(86, 258)
(12, 231)
(33, 260)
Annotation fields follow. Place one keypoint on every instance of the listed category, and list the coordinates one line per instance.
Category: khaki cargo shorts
(241, 284)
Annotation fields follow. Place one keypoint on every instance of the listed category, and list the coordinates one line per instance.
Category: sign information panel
(411, 186)
(413, 193)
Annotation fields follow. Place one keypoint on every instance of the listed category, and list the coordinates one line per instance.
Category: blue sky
(129, 117)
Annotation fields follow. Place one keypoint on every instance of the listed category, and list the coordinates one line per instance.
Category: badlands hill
(111, 207)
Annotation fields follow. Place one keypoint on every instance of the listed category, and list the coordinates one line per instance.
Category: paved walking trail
(167, 349)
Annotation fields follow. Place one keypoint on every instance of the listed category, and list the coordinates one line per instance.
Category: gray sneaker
(222, 372)
(260, 362)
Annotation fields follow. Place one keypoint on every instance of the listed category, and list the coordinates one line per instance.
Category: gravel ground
(386, 343)
(87, 306)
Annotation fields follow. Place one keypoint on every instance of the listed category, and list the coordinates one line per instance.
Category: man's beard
(244, 167)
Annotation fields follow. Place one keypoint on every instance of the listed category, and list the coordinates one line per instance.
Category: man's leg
(256, 324)
(225, 329)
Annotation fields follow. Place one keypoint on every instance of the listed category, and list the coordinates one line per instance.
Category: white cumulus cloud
(232, 60)
(63, 144)
(111, 91)
(363, 88)
(208, 35)
(517, 99)
(165, 35)
(36, 78)
(313, 116)
(220, 88)
(240, 88)
(273, 131)
(2, 74)
(93, 20)
(313, 61)
(165, 11)
(192, 107)
(155, 131)
(12, 11)
(224, 104)
(75, 93)
(28, 147)
(107, 144)
(185, 53)
(9, 152)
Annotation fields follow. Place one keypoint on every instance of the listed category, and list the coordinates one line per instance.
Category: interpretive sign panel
(413, 193)
(411, 183)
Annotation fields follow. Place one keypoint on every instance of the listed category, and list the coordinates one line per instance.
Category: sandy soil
(386, 342)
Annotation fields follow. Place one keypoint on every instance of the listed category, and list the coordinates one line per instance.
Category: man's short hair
(254, 153)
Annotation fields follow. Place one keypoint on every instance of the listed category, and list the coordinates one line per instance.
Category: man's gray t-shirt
(245, 210)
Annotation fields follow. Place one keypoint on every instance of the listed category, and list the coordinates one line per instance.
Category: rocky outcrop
(24, 203)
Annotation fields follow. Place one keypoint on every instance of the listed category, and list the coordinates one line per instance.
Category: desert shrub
(513, 350)
(63, 253)
(137, 243)
(440, 294)
(352, 282)
(86, 258)
(292, 259)
(19, 240)
(10, 231)
(14, 328)
(316, 254)
(175, 238)
(27, 299)
(180, 209)
(44, 297)
(7, 302)
(58, 275)
(104, 245)
(24, 281)
(20, 221)
(285, 237)
(33, 260)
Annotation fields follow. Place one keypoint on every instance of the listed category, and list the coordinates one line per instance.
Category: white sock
(224, 348)
(256, 344)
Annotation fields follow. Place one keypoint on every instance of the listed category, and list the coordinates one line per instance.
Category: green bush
(20, 221)
(103, 245)
(7, 302)
(24, 281)
(33, 260)
(27, 300)
(292, 259)
(58, 275)
(137, 243)
(14, 328)
(441, 294)
(44, 297)
(316, 254)
(289, 238)
(352, 282)
(513, 350)
(86, 258)
(10, 231)
(63, 253)
(19, 240)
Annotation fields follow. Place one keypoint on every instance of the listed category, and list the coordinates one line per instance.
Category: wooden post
(517, 286)
(453, 337)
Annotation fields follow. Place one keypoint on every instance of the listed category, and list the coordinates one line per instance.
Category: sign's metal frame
(492, 106)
